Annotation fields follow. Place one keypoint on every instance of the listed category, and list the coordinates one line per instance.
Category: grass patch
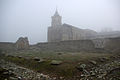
(44, 67)
(66, 69)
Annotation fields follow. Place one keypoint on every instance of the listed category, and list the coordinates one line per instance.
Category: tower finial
(56, 12)
(56, 9)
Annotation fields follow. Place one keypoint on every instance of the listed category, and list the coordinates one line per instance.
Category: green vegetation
(64, 56)
(0, 51)
(66, 69)
(44, 67)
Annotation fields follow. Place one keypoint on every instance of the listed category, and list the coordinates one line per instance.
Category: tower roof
(56, 13)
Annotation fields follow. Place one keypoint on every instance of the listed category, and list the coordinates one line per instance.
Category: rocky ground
(108, 69)
(10, 71)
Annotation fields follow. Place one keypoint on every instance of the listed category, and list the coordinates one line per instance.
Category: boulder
(19, 56)
(36, 59)
(60, 53)
(103, 59)
(93, 62)
(55, 62)
(81, 67)
(41, 60)
(13, 78)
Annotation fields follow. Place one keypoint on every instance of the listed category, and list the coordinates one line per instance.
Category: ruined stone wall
(22, 43)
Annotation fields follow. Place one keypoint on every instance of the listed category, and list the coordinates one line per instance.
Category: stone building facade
(62, 32)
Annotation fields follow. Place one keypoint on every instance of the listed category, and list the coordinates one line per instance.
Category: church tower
(56, 20)
(54, 31)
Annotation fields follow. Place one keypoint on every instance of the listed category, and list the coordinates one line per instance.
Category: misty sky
(31, 18)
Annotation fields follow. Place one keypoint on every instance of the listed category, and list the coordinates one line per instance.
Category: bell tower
(56, 20)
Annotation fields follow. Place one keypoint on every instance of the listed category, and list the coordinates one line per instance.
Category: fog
(31, 18)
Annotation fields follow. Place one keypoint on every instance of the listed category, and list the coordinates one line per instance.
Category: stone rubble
(21, 73)
(94, 71)
(101, 72)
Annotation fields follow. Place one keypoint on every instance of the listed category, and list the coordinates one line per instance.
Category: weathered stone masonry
(62, 32)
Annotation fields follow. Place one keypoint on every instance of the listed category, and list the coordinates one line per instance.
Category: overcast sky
(31, 18)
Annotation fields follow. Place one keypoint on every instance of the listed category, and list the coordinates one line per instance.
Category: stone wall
(113, 44)
(100, 42)
(106, 44)
(21, 44)
(69, 32)
(54, 34)
(75, 45)
(95, 45)
(109, 44)
(7, 46)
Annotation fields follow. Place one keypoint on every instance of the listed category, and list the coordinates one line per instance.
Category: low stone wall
(113, 44)
(7, 46)
(95, 45)
(100, 43)
(75, 45)
(109, 44)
